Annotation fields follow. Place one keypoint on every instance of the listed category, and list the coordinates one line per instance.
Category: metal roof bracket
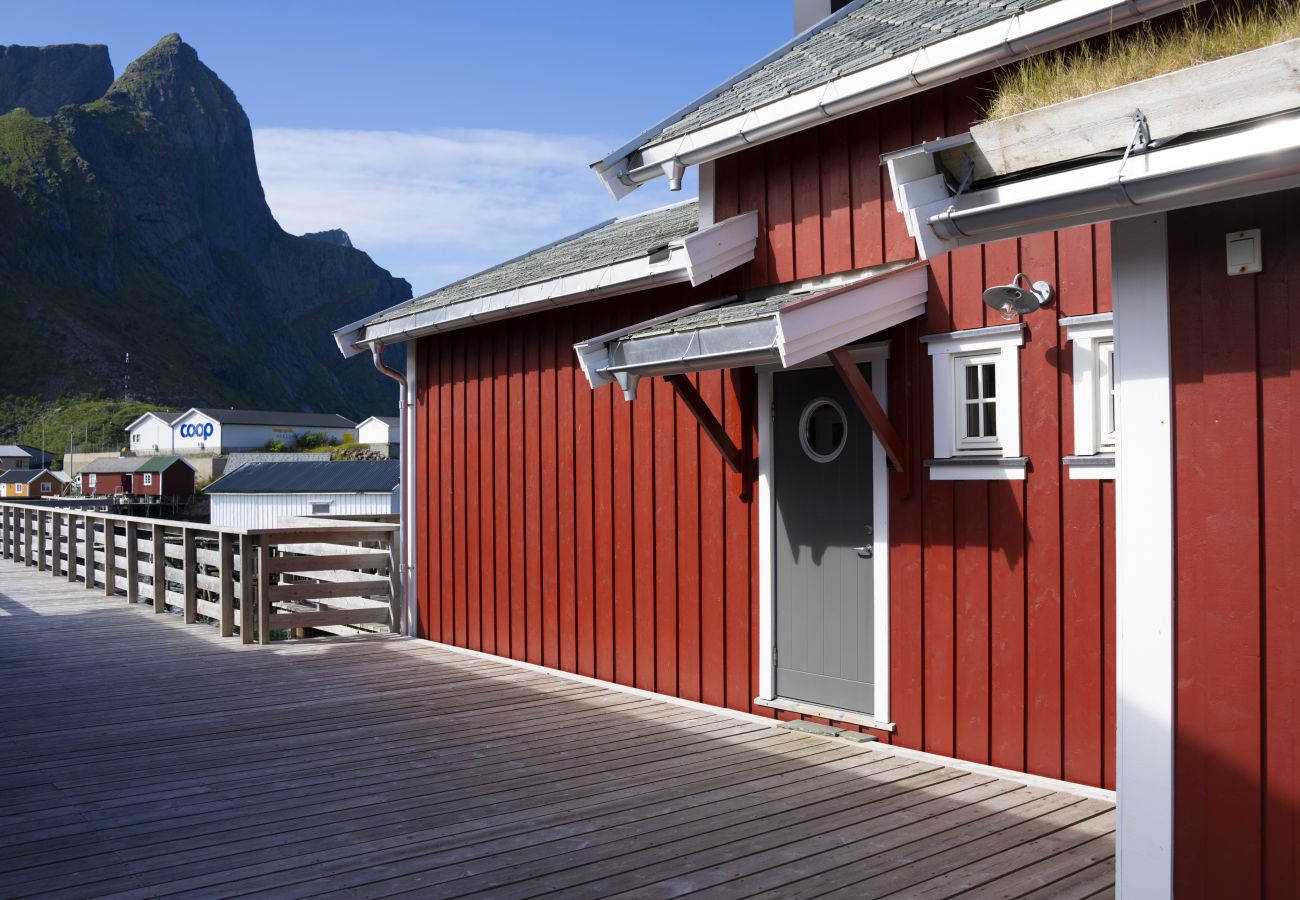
(1140, 141)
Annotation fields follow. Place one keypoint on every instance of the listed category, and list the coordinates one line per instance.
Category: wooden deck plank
(141, 756)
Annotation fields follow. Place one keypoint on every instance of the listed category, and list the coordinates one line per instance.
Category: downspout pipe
(377, 351)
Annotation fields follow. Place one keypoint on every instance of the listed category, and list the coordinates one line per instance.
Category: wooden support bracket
(862, 395)
(708, 421)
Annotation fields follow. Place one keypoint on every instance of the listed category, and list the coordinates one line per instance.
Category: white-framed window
(45, 487)
(135, 438)
(977, 404)
(92, 480)
(148, 479)
(1095, 397)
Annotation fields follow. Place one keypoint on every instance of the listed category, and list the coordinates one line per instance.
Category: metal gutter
(1025, 34)
(799, 329)
(402, 617)
(1256, 160)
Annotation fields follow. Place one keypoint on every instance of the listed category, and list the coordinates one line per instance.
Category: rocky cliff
(42, 79)
(136, 222)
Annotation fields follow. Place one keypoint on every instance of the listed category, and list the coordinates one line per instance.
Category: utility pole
(126, 387)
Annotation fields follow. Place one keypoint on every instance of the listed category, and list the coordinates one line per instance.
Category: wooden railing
(252, 582)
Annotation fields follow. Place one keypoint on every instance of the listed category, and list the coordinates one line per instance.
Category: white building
(259, 495)
(380, 431)
(151, 433)
(225, 430)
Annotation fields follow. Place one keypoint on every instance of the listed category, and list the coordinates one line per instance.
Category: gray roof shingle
(616, 240)
(868, 32)
(106, 465)
(344, 477)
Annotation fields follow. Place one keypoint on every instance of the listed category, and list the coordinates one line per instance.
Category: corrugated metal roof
(270, 417)
(108, 465)
(870, 32)
(345, 477)
(13, 450)
(616, 240)
(160, 463)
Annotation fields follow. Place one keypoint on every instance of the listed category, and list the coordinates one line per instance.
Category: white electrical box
(1245, 255)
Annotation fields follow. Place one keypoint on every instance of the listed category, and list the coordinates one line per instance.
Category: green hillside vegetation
(69, 422)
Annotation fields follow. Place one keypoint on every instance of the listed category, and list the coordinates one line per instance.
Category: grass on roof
(1143, 51)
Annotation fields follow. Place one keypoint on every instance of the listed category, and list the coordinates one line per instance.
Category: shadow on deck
(140, 757)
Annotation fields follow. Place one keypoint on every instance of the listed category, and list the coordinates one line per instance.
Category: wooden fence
(252, 582)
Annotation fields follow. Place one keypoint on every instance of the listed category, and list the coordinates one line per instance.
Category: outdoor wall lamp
(1011, 300)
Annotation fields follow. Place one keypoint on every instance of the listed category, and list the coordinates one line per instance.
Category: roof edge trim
(1024, 34)
(697, 258)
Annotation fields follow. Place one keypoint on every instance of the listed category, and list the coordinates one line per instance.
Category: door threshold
(826, 712)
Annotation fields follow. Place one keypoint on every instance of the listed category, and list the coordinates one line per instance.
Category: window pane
(990, 390)
(972, 420)
(972, 383)
(990, 420)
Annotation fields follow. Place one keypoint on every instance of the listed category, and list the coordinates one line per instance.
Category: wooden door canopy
(862, 395)
(712, 427)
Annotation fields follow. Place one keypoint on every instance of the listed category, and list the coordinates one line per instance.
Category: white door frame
(878, 356)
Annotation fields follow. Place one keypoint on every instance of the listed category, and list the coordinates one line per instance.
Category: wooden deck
(141, 757)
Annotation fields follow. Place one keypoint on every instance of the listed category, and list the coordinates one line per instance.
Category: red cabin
(107, 476)
(898, 435)
(163, 476)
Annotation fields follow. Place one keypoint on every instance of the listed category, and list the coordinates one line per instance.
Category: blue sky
(443, 136)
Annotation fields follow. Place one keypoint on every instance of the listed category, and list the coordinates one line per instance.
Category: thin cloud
(434, 207)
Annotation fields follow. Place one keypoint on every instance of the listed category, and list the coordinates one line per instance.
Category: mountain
(136, 222)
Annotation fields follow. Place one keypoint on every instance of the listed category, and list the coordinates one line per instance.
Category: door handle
(865, 551)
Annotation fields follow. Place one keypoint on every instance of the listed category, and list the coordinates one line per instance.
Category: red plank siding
(1236, 374)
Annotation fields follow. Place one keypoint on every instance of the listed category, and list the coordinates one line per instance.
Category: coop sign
(197, 430)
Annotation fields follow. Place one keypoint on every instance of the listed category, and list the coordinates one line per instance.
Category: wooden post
(56, 539)
(90, 553)
(41, 565)
(190, 568)
(27, 538)
(159, 569)
(263, 591)
(72, 549)
(247, 589)
(709, 423)
(395, 598)
(110, 558)
(132, 563)
(226, 547)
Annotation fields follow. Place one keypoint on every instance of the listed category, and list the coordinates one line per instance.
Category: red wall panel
(613, 542)
(1236, 373)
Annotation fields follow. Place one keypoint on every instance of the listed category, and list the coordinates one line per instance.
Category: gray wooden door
(823, 586)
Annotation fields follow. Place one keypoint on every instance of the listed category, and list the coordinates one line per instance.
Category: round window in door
(823, 430)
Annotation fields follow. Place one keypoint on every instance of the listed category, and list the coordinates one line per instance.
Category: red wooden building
(803, 465)
(163, 476)
(107, 476)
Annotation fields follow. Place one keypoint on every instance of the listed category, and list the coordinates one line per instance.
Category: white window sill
(978, 468)
(825, 712)
(1100, 467)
